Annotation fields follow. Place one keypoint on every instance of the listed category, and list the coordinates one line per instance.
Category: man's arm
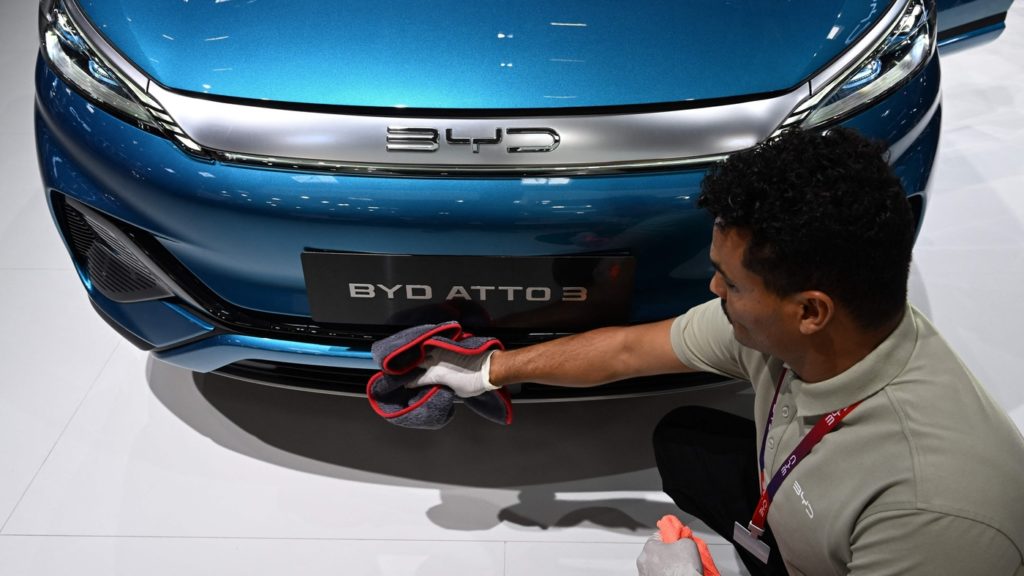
(703, 336)
(591, 358)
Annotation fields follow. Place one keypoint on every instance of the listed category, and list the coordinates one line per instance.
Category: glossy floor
(113, 464)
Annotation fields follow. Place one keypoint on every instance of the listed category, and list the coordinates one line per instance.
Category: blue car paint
(156, 323)
(159, 324)
(452, 54)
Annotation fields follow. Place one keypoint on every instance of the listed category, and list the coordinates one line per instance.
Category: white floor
(113, 464)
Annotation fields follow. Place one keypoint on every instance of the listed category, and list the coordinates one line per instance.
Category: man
(905, 464)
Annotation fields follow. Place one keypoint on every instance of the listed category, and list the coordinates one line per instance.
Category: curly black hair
(825, 212)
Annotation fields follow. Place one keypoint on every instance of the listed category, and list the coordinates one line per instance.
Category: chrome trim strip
(555, 142)
(448, 170)
(879, 31)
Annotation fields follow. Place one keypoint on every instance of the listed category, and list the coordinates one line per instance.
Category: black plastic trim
(352, 382)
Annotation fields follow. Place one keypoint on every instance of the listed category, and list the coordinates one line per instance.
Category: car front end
(265, 195)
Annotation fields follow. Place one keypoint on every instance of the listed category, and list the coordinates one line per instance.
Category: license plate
(546, 293)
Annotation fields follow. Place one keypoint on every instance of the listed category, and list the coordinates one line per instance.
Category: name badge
(750, 543)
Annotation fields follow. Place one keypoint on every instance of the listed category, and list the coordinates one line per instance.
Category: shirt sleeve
(920, 542)
(703, 340)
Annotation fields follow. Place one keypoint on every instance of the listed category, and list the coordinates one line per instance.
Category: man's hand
(466, 375)
(680, 558)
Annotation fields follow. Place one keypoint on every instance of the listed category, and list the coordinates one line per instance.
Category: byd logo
(520, 140)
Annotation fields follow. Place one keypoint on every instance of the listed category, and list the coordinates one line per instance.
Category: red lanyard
(824, 425)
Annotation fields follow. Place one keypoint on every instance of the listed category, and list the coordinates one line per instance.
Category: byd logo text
(523, 140)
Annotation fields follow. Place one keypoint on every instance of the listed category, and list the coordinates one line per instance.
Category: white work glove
(466, 375)
(680, 558)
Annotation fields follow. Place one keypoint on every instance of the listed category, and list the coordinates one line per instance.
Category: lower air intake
(106, 256)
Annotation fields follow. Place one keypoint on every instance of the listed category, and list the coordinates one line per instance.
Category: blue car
(262, 189)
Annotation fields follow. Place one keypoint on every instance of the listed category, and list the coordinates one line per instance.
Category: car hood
(481, 55)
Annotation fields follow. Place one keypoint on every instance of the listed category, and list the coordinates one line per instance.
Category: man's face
(760, 319)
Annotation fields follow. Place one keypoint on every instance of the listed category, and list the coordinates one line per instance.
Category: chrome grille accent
(253, 133)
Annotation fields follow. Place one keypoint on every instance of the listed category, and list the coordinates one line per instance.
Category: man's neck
(831, 353)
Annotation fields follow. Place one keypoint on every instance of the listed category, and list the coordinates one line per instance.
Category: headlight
(902, 54)
(70, 55)
(79, 64)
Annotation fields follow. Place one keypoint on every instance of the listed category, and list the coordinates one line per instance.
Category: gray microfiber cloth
(428, 407)
(403, 351)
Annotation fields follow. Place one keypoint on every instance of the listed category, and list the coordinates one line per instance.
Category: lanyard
(824, 425)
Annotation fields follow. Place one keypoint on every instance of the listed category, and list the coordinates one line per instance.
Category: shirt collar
(872, 373)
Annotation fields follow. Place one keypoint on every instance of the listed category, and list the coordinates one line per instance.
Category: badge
(750, 543)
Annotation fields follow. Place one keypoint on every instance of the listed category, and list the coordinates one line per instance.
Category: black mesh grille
(118, 279)
(111, 265)
(81, 236)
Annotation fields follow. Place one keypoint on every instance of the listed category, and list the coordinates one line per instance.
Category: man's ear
(817, 310)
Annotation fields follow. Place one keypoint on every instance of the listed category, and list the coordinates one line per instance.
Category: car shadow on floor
(557, 465)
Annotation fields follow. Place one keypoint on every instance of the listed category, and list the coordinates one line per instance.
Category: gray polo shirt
(926, 476)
